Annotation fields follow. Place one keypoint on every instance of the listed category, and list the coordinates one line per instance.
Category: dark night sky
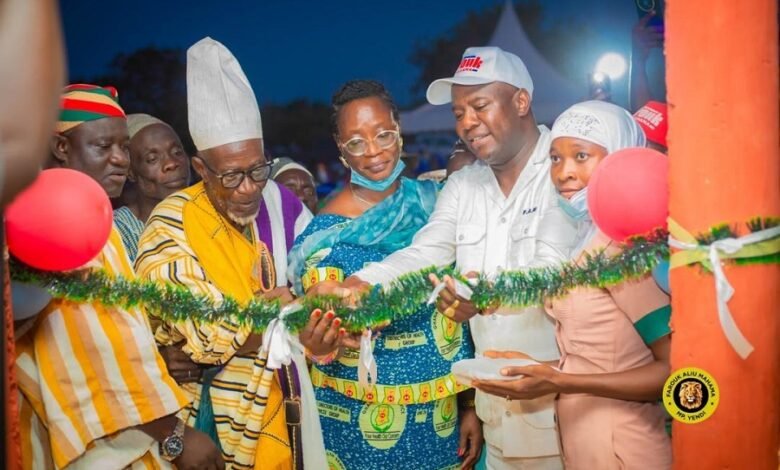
(303, 48)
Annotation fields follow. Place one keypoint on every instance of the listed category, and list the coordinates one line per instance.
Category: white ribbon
(367, 371)
(461, 290)
(723, 289)
(277, 341)
(284, 348)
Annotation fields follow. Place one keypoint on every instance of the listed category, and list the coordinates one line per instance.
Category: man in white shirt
(486, 220)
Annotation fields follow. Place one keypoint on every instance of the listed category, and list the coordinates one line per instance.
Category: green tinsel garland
(402, 298)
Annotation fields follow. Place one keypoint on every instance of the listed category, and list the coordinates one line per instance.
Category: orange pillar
(722, 83)
(13, 452)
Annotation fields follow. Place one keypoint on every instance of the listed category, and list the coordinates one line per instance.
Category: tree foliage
(153, 81)
(299, 129)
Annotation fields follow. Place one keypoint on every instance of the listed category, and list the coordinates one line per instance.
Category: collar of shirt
(536, 163)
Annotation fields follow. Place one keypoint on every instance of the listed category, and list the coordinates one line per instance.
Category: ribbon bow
(756, 243)
(277, 341)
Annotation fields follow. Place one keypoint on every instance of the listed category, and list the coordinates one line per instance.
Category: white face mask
(577, 206)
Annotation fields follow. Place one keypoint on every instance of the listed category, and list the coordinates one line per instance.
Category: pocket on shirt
(566, 313)
(470, 245)
(522, 247)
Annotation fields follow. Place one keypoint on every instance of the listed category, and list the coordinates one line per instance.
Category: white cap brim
(440, 91)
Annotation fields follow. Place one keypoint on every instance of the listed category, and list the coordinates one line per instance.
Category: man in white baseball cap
(486, 220)
(480, 66)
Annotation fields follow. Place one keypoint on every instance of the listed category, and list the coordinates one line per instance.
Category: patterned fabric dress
(410, 418)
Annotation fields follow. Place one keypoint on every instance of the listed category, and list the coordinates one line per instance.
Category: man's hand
(200, 452)
(356, 285)
(471, 440)
(251, 345)
(179, 364)
(350, 290)
(450, 304)
(644, 38)
(282, 293)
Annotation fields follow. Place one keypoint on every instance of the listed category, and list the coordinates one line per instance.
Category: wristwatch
(172, 446)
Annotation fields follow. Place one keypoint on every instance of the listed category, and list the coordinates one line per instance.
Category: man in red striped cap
(95, 393)
(91, 136)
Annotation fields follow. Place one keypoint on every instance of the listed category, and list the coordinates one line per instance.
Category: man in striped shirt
(159, 167)
(94, 391)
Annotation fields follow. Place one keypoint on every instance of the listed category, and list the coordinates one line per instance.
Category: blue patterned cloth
(130, 229)
(412, 418)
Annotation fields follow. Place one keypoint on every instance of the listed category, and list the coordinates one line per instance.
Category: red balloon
(60, 222)
(628, 193)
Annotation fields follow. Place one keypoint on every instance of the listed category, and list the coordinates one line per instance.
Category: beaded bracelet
(323, 360)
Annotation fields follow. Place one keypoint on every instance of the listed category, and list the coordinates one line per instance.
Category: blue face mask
(577, 206)
(381, 185)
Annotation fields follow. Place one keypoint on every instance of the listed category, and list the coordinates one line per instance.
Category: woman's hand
(321, 334)
(471, 440)
(533, 382)
(643, 383)
(508, 355)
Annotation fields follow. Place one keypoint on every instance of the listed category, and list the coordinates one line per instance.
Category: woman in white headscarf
(614, 341)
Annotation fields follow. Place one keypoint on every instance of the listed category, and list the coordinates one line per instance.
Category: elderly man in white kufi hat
(214, 121)
(205, 238)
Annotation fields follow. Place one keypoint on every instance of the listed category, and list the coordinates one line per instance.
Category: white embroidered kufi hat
(221, 105)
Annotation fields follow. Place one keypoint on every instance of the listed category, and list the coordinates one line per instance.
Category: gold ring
(449, 312)
(456, 304)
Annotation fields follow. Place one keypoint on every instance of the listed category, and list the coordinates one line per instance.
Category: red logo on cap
(470, 63)
(649, 116)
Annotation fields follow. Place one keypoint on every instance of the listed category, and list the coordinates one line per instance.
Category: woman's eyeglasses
(358, 146)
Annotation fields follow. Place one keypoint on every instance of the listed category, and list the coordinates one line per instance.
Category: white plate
(485, 368)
